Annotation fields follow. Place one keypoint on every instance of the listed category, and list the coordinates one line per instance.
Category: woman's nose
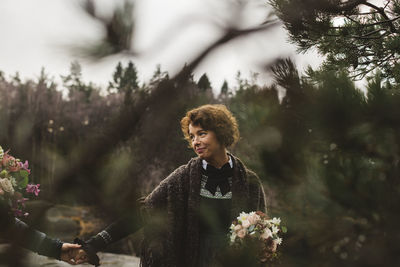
(195, 140)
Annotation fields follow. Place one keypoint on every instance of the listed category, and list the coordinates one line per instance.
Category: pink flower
(22, 201)
(253, 218)
(241, 233)
(267, 234)
(1, 191)
(25, 166)
(10, 163)
(34, 189)
(237, 227)
(245, 223)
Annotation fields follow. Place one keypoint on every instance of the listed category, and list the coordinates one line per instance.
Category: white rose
(246, 224)
(6, 185)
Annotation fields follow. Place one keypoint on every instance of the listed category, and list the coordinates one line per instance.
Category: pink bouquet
(14, 182)
(257, 230)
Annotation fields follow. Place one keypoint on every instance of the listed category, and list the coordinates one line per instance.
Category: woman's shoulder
(251, 175)
(182, 171)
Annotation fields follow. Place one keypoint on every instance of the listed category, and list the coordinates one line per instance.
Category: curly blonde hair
(216, 118)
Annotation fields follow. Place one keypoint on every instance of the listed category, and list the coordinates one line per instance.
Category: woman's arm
(34, 240)
(116, 231)
(257, 192)
(146, 207)
(21, 234)
(25, 236)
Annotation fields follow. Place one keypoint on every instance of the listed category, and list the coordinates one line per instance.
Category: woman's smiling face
(205, 143)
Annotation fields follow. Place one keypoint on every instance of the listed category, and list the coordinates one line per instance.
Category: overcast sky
(40, 33)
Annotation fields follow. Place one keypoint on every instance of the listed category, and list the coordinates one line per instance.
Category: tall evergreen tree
(74, 83)
(125, 81)
(204, 83)
(224, 92)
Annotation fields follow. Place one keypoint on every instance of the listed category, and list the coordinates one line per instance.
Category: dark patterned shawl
(171, 213)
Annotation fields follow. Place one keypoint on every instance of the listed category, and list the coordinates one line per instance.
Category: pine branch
(383, 14)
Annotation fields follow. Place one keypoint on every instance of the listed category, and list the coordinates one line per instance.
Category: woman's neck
(219, 160)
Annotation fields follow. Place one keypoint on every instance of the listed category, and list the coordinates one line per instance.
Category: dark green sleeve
(5, 219)
(34, 240)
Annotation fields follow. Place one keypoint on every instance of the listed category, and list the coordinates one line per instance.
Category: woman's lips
(200, 150)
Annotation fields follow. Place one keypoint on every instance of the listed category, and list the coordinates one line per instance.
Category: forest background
(327, 152)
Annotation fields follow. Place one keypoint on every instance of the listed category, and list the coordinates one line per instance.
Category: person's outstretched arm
(156, 200)
(34, 240)
(27, 237)
(115, 231)
(112, 233)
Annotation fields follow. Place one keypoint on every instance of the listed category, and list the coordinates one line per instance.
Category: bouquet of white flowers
(257, 229)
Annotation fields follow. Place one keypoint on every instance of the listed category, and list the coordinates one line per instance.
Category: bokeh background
(323, 139)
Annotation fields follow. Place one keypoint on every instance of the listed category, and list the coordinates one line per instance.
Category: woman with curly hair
(187, 216)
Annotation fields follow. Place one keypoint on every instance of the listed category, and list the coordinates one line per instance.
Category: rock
(65, 222)
(106, 259)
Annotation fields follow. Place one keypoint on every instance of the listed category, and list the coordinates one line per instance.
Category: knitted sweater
(171, 213)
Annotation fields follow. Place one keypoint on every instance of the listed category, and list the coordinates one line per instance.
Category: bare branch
(353, 20)
(230, 35)
(386, 5)
(333, 35)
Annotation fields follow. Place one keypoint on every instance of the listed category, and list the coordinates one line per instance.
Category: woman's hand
(69, 252)
(86, 254)
(81, 257)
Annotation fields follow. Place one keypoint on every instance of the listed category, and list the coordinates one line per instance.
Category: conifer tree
(204, 83)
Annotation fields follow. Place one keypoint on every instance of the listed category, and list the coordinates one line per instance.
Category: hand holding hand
(69, 252)
(86, 254)
(81, 257)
